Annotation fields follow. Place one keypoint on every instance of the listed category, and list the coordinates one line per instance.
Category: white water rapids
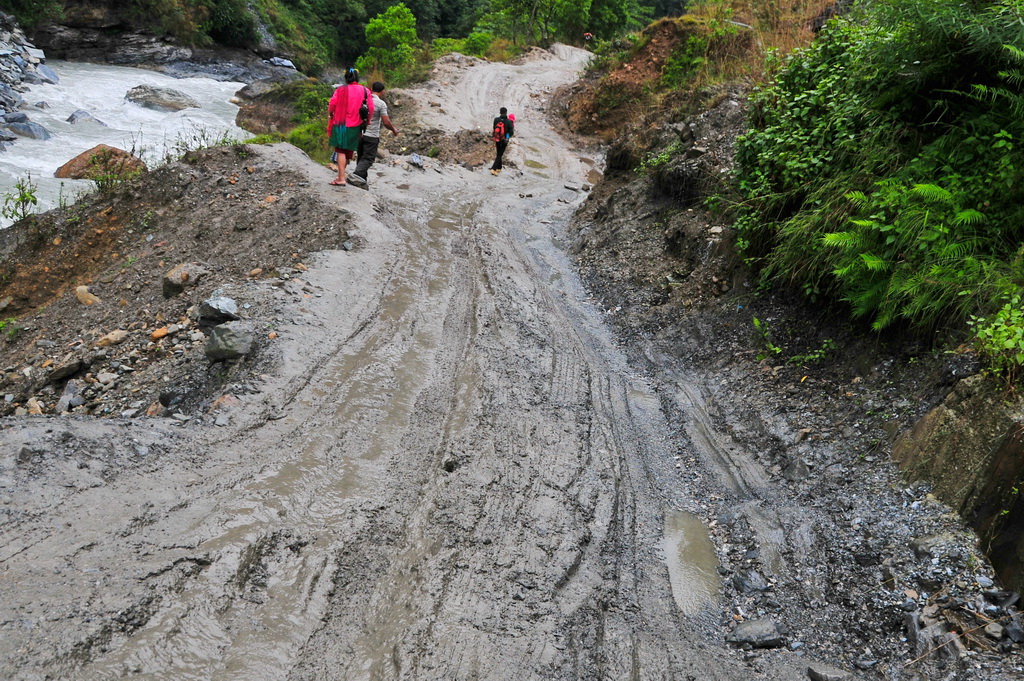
(100, 90)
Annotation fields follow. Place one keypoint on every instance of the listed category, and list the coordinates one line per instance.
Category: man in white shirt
(369, 142)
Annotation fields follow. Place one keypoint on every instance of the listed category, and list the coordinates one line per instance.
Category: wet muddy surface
(453, 469)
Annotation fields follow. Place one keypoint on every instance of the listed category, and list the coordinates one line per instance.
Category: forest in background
(318, 33)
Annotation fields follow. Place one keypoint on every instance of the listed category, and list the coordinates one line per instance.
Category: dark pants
(500, 149)
(367, 153)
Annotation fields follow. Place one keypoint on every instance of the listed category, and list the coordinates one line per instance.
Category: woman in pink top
(344, 124)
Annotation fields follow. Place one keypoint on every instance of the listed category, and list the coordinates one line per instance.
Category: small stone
(157, 334)
(995, 631)
(758, 634)
(85, 297)
(256, 272)
(115, 337)
(823, 672)
(106, 378)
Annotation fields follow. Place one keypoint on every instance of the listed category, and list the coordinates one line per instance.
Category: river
(100, 90)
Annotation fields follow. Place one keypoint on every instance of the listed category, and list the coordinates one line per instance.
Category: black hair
(503, 111)
(351, 76)
(377, 86)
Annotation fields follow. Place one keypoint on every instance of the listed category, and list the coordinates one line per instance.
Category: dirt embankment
(808, 407)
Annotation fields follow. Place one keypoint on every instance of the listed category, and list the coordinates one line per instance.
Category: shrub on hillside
(883, 165)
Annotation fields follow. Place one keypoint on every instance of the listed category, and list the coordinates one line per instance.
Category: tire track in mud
(530, 498)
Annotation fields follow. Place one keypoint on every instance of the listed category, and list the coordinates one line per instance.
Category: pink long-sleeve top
(344, 106)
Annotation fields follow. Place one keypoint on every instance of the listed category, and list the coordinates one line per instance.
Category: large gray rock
(160, 99)
(758, 634)
(229, 341)
(30, 130)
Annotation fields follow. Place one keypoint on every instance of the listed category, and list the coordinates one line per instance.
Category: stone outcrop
(970, 449)
(21, 65)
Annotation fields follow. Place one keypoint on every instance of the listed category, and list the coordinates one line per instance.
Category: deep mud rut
(455, 475)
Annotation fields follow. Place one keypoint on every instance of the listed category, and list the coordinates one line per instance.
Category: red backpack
(499, 130)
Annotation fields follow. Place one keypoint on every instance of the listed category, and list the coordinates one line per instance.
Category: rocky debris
(229, 340)
(83, 116)
(100, 159)
(21, 64)
(160, 98)
(823, 672)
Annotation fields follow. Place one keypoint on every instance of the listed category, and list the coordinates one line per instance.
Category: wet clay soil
(440, 462)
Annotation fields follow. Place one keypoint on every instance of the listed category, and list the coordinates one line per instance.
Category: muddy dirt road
(454, 475)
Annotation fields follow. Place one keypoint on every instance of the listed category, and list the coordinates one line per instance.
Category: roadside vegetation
(883, 169)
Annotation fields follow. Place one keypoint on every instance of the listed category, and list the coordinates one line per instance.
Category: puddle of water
(534, 164)
(691, 560)
(594, 176)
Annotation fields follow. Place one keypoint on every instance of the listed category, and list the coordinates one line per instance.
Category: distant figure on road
(504, 127)
(370, 141)
(350, 110)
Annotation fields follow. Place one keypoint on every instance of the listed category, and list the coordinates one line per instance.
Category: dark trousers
(367, 154)
(500, 149)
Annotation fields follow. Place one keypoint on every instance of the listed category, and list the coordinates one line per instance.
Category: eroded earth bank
(442, 459)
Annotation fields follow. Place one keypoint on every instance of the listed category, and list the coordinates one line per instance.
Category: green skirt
(343, 137)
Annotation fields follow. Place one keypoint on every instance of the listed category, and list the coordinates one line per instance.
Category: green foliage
(475, 44)
(9, 328)
(311, 138)
(883, 166)
(655, 160)
(768, 348)
(392, 41)
(110, 170)
(34, 12)
(816, 356)
(545, 21)
(1000, 338)
(697, 53)
(18, 203)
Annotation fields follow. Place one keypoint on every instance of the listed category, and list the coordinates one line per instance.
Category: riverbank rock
(160, 98)
(101, 159)
(29, 129)
(83, 116)
(21, 64)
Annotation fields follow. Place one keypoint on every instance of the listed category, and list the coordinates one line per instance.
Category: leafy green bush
(883, 165)
(35, 12)
(1000, 338)
(392, 41)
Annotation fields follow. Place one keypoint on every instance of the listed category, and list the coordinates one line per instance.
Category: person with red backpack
(349, 111)
(503, 129)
